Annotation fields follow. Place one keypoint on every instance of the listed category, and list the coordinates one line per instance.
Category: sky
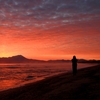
(50, 29)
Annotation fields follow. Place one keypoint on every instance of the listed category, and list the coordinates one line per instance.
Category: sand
(85, 85)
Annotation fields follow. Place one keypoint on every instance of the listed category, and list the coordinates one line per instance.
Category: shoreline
(25, 80)
(61, 86)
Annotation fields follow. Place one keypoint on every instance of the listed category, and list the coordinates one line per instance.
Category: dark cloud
(46, 14)
(49, 7)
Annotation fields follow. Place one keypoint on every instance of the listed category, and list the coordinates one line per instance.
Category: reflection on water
(12, 75)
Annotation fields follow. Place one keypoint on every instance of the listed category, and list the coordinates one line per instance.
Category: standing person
(74, 65)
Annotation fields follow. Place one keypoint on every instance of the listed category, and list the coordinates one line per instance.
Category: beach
(85, 85)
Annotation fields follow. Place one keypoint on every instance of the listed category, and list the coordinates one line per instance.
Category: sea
(19, 74)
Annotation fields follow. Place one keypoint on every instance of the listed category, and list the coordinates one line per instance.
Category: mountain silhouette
(22, 59)
(17, 59)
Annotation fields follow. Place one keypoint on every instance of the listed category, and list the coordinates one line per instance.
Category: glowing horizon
(50, 29)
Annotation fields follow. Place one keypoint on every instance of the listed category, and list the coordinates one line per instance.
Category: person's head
(74, 57)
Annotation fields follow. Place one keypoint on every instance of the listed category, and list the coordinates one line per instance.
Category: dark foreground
(83, 86)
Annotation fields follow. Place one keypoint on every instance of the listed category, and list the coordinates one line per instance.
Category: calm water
(13, 75)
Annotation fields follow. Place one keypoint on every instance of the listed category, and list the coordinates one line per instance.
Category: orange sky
(33, 34)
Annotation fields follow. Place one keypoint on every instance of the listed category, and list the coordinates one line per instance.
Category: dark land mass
(22, 59)
(85, 85)
(18, 59)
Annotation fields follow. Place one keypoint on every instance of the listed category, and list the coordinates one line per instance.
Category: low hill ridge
(17, 59)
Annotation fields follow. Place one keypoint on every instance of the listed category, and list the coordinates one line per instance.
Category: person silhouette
(74, 65)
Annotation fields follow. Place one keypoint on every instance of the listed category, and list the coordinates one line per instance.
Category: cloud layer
(61, 25)
(40, 13)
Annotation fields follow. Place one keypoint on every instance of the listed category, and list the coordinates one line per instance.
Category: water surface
(13, 75)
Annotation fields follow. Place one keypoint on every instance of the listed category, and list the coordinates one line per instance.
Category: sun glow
(41, 31)
(4, 54)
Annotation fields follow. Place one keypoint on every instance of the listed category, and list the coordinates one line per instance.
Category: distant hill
(88, 61)
(17, 59)
(22, 59)
(79, 61)
(62, 60)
